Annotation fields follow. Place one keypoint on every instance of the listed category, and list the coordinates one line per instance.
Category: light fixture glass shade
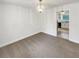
(62, 12)
(40, 8)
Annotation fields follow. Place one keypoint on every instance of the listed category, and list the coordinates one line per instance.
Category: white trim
(21, 38)
(74, 41)
(50, 34)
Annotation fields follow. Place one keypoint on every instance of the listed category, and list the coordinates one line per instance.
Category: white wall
(17, 22)
(74, 19)
(74, 22)
(50, 21)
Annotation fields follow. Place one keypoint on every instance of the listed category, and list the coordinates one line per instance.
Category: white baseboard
(76, 42)
(50, 34)
(21, 38)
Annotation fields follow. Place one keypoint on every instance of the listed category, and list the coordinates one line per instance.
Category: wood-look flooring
(41, 46)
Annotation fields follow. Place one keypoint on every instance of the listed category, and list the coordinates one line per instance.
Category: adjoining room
(63, 24)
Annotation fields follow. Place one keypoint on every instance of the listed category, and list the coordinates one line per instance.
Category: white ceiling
(34, 2)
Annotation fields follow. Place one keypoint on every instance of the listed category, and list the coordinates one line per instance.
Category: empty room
(39, 28)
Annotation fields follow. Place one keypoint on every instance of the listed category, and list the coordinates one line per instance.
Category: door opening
(63, 24)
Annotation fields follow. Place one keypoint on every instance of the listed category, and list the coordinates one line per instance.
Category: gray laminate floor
(41, 46)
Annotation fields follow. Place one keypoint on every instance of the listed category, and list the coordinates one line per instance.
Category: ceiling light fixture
(40, 6)
(62, 12)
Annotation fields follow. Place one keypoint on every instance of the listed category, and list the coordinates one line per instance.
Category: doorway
(63, 24)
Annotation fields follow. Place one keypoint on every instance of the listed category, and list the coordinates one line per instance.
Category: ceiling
(34, 2)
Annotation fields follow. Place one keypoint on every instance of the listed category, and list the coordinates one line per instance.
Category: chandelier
(40, 6)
